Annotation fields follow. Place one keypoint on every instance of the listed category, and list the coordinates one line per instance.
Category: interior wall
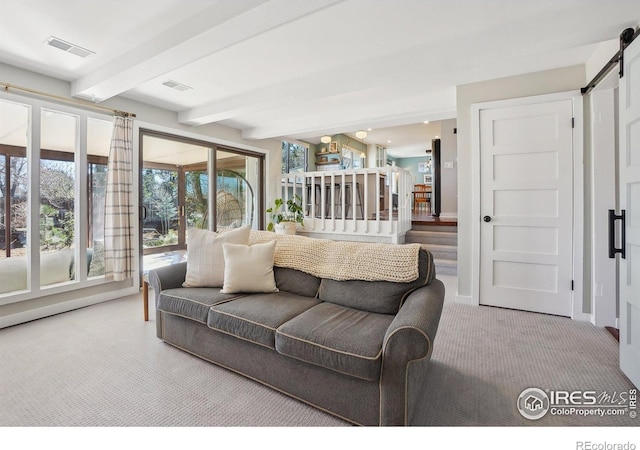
(448, 169)
(411, 165)
(538, 83)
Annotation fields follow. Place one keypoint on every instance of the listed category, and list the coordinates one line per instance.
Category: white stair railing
(365, 202)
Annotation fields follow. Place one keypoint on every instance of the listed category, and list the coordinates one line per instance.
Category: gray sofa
(359, 350)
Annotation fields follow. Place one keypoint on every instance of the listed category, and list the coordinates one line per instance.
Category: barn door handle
(612, 234)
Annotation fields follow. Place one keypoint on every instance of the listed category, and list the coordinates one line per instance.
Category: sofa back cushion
(296, 282)
(383, 297)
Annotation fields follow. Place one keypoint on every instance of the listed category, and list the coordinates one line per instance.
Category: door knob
(487, 218)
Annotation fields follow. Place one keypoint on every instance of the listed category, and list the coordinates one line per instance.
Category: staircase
(441, 241)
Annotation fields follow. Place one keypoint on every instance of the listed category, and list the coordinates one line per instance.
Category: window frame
(34, 154)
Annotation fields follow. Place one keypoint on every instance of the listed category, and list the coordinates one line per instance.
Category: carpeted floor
(103, 366)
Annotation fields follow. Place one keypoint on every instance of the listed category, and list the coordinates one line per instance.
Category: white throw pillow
(205, 258)
(249, 268)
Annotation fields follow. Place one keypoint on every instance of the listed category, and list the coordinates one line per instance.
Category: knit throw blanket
(343, 260)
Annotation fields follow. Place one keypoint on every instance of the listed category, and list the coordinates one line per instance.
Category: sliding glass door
(197, 198)
(160, 223)
(178, 192)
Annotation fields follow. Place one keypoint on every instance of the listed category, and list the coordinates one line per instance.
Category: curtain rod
(8, 86)
(626, 38)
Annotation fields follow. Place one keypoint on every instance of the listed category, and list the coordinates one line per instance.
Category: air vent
(177, 86)
(69, 47)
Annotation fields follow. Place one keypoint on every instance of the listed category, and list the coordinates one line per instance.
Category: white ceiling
(304, 68)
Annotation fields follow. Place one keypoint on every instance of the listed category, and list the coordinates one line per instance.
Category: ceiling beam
(224, 24)
(432, 105)
(320, 85)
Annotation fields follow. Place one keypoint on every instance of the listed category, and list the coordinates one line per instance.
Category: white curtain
(119, 208)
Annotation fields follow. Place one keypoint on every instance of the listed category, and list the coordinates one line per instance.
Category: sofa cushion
(205, 259)
(55, 266)
(193, 303)
(296, 282)
(382, 297)
(343, 339)
(13, 274)
(256, 317)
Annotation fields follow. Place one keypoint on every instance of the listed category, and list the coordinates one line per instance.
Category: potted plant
(285, 215)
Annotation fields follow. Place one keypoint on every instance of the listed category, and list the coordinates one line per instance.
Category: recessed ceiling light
(69, 47)
(369, 129)
(426, 121)
(177, 86)
(388, 142)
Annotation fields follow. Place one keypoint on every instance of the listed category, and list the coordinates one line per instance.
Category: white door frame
(578, 192)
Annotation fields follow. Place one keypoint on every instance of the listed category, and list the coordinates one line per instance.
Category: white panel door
(630, 203)
(526, 202)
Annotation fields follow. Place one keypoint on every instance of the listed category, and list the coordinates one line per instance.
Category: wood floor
(424, 216)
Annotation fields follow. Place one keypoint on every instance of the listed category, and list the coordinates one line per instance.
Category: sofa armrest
(167, 277)
(408, 340)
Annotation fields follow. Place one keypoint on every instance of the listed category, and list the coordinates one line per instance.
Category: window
(57, 184)
(294, 157)
(14, 118)
(60, 218)
(98, 142)
(13, 209)
(352, 158)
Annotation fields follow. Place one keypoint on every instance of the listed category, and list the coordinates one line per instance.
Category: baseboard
(614, 332)
(62, 307)
(447, 215)
(465, 300)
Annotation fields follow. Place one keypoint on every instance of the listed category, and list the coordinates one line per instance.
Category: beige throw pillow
(205, 258)
(249, 268)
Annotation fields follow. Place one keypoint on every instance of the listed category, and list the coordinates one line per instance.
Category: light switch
(448, 165)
